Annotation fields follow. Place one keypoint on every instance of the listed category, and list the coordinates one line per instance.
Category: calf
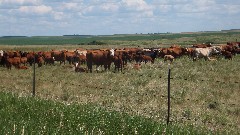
(146, 58)
(137, 66)
(78, 68)
(169, 57)
(23, 67)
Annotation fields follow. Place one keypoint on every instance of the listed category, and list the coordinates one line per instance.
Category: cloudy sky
(98, 17)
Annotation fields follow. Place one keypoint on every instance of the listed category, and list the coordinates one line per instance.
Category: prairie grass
(204, 94)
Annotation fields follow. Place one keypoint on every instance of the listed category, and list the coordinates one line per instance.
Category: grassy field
(151, 40)
(204, 94)
(28, 115)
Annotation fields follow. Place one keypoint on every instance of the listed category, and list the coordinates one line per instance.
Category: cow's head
(216, 50)
(1, 52)
(111, 52)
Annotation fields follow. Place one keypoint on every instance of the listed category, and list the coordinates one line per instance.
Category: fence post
(169, 74)
(34, 76)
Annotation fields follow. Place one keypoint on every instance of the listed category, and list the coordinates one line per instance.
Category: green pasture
(152, 40)
(26, 115)
(204, 94)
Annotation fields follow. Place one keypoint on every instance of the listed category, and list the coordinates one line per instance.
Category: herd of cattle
(119, 57)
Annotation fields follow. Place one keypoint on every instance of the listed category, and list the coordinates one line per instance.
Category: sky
(105, 17)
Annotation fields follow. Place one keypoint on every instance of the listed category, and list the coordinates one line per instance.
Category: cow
(190, 52)
(59, 56)
(1, 53)
(202, 45)
(137, 66)
(227, 54)
(168, 57)
(78, 68)
(49, 60)
(2, 58)
(118, 62)
(13, 61)
(81, 58)
(81, 51)
(151, 53)
(40, 61)
(23, 60)
(70, 57)
(229, 48)
(146, 59)
(205, 52)
(99, 58)
(131, 53)
(30, 57)
(23, 67)
(175, 51)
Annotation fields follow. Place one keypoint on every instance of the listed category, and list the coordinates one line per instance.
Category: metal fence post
(169, 74)
(34, 76)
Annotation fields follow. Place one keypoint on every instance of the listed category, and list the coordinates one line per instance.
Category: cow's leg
(89, 65)
(105, 67)
(97, 68)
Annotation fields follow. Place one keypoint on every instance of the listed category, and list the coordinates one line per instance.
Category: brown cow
(13, 61)
(70, 56)
(176, 51)
(118, 62)
(59, 56)
(40, 61)
(229, 48)
(202, 45)
(30, 57)
(49, 60)
(99, 58)
(23, 67)
(23, 60)
(227, 54)
(146, 58)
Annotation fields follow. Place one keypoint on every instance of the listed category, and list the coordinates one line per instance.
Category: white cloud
(139, 5)
(58, 15)
(70, 5)
(42, 9)
(110, 6)
(20, 1)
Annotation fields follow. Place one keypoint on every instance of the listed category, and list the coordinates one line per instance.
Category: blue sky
(100, 17)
